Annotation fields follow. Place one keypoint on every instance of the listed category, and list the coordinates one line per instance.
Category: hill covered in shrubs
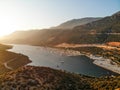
(44, 78)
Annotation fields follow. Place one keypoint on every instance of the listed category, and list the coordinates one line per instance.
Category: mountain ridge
(97, 32)
(75, 22)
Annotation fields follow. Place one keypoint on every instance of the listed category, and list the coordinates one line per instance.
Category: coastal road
(8, 67)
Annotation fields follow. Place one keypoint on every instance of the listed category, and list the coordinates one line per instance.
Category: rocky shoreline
(105, 63)
(97, 60)
(62, 52)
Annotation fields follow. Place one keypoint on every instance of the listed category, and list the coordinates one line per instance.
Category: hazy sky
(34, 14)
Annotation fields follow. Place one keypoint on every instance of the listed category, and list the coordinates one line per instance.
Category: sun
(4, 32)
(6, 26)
(8, 19)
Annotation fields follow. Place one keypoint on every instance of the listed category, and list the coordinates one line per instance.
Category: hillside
(109, 24)
(100, 31)
(9, 60)
(106, 29)
(4, 47)
(75, 22)
(114, 44)
(44, 78)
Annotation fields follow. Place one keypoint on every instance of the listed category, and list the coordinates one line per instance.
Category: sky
(38, 14)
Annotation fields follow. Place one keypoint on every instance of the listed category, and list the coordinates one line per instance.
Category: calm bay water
(41, 56)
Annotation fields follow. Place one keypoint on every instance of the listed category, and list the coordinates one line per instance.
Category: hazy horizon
(37, 14)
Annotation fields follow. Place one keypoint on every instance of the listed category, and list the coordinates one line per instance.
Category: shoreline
(99, 61)
(105, 63)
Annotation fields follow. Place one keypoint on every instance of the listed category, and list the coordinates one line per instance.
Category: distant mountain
(101, 31)
(75, 22)
(110, 24)
(44, 78)
(106, 29)
(117, 13)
